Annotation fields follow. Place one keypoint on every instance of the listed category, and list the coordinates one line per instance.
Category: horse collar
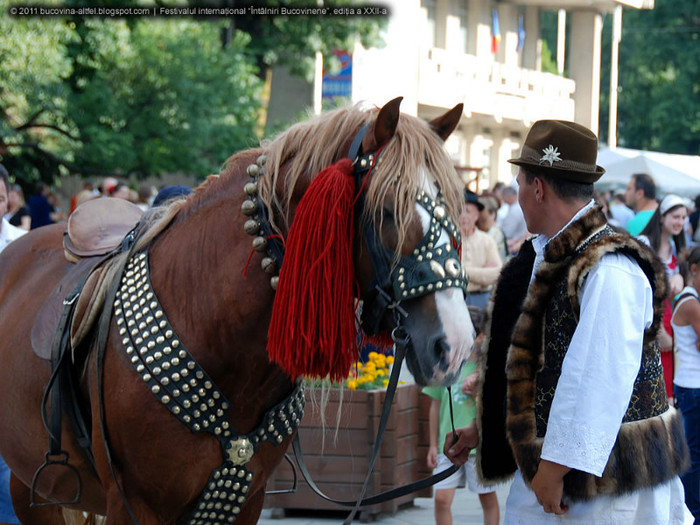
(184, 388)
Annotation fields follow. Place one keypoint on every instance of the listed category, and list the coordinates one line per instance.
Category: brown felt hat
(562, 149)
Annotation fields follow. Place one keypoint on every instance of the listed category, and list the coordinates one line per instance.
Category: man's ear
(539, 189)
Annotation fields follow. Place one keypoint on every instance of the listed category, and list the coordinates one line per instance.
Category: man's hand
(548, 485)
(467, 439)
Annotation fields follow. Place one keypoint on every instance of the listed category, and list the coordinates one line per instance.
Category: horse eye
(387, 214)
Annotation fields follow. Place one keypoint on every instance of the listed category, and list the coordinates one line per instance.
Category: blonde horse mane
(315, 144)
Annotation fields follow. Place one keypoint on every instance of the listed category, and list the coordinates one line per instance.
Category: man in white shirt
(571, 400)
(8, 233)
(513, 224)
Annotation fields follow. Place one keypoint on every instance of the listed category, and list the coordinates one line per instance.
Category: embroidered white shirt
(593, 393)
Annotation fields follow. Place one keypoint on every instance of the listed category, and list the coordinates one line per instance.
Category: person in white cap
(665, 234)
(571, 401)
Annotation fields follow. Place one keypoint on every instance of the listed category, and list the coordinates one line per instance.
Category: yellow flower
(390, 360)
(352, 384)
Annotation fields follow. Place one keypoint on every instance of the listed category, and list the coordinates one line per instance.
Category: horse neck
(218, 304)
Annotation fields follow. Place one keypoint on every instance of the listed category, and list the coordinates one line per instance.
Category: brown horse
(215, 302)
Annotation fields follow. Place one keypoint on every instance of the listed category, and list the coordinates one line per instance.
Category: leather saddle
(95, 232)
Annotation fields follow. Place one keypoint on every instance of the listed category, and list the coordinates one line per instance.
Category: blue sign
(340, 83)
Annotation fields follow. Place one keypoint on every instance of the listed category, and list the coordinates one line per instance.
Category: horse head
(416, 277)
(375, 229)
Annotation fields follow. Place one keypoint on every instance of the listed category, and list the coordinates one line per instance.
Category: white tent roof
(672, 173)
(668, 180)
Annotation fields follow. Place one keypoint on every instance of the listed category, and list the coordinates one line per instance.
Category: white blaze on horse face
(451, 307)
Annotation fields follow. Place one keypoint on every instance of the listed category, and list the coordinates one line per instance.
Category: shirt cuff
(577, 446)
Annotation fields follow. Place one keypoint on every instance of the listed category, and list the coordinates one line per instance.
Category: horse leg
(250, 513)
(117, 513)
(28, 515)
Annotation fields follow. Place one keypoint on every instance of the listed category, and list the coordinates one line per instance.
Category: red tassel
(312, 331)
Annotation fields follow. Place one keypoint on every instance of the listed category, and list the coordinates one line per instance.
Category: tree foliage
(659, 78)
(139, 97)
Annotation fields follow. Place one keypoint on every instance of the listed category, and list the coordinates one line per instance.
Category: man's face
(3, 200)
(527, 200)
(631, 194)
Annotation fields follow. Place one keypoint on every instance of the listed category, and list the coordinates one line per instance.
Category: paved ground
(466, 510)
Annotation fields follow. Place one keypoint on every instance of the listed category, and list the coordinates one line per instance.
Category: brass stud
(453, 267)
(251, 188)
(253, 170)
(261, 160)
(437, 269)
(274, 282)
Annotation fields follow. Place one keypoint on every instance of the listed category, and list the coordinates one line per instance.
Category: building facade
(487, 55)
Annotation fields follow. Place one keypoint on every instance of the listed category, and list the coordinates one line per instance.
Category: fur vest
(516, 387)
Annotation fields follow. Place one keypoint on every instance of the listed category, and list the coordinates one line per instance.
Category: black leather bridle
(430, 267)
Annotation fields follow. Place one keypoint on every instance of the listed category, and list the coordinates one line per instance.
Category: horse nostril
(441, 348)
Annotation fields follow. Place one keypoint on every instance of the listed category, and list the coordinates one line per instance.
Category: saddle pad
(48, 317)
(89, 305)
(98, 226)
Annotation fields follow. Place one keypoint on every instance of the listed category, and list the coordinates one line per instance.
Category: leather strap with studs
(186, 390)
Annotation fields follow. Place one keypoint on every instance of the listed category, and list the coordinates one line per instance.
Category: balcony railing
(491, 88)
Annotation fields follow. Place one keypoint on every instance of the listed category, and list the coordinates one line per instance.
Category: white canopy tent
(667, 179)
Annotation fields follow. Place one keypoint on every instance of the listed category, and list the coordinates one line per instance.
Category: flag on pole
(521, 33)
(495, 32)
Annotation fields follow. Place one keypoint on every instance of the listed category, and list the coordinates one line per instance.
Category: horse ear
(446, 124)
(384, 126)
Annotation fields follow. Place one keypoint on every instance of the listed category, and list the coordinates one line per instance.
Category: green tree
(161, 97)
(137, 97)
(659, 78)
(34, 131)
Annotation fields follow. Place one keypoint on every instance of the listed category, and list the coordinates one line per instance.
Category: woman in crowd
(665, 234)
(487, 223)
(686, 329)
(17, 211)
(479, 253)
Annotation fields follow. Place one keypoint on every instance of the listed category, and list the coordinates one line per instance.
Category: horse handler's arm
(467, 439)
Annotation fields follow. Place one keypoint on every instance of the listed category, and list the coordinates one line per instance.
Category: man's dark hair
(5, 178)
(564, 188)
(644, 182)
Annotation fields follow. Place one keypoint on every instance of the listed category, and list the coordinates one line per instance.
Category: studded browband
(182, 385)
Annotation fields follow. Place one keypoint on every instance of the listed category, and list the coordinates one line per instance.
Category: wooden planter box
(338, 461)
